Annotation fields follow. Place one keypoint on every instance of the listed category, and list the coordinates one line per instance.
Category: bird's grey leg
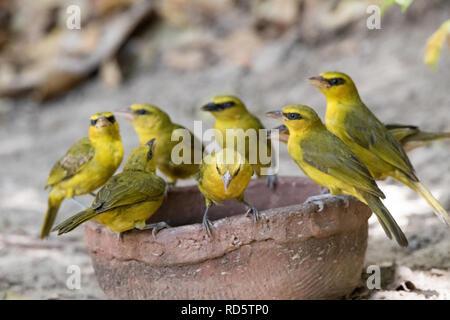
(251, 209)
(78, 203)
(156, 227)
(272, 181)
(206, 223)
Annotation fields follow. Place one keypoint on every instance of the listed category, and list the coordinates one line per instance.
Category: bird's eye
(228, 104)
(111, 119)
(141, 111)
(336, 81)
(293, 116)
(93, 122)
(150, 155)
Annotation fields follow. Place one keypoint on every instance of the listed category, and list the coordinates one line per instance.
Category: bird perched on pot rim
(409, 136)
(224, 175)
(128, 199)
(151, 122)
(330, 163)
(233, 117)
(349, 119)
(86, 166)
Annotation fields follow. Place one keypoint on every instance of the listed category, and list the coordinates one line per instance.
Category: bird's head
(296, 117)
(104, 125)
(225, 107)
(335, 85)
(145, 116)
(141, 158)
(228, 164)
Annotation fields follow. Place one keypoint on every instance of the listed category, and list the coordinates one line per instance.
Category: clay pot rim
(189, 244)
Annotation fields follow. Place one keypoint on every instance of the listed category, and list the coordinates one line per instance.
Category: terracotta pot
(293, 252)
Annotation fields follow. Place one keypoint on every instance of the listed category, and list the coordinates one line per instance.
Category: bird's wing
(400, 131)
(72, 162)
(128, 188)
(367, 131)
(330, 155)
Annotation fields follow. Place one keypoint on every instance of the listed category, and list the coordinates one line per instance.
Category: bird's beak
(212, 107)
(126, 113)
(275, 114)
(319, 82)
(151, 143)
(102, 122)
(282, 128)
(226, 178)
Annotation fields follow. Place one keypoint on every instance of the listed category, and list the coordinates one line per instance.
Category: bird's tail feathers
(54, 202)
(390, 226)
(432, 201)
(74, 221)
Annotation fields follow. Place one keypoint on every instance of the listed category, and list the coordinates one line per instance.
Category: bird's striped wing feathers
(72, 162)
(368, 132)
(128, 188)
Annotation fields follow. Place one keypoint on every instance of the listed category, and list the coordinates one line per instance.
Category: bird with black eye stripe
(233, 120)
(86, 166)
(354, 123)
(150, 122)
(329, 162)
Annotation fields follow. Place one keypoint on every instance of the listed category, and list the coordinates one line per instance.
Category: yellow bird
(232, 116)
(128, 199)
(349, 119)
(410, 137)
(151, 122)
(224, 175)
(86, 166)
(329, 162)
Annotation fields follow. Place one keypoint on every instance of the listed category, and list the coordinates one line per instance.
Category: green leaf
(386, 4)
(403, 3)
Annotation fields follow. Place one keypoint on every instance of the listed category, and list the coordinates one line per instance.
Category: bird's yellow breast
(212, 185)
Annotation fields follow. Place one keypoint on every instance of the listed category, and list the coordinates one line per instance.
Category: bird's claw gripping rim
(207, 226)
(255, 213)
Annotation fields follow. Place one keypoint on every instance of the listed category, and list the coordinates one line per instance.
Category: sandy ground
(386, 65)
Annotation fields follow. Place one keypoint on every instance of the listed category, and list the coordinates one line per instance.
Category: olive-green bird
(151, 122)
(224, 175)
(128, 199)
(329, 162)
(349, 119)
(232, 117)
(410, 137)
(86, 166)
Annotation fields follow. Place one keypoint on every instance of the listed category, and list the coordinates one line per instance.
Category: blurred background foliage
(120, 36)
